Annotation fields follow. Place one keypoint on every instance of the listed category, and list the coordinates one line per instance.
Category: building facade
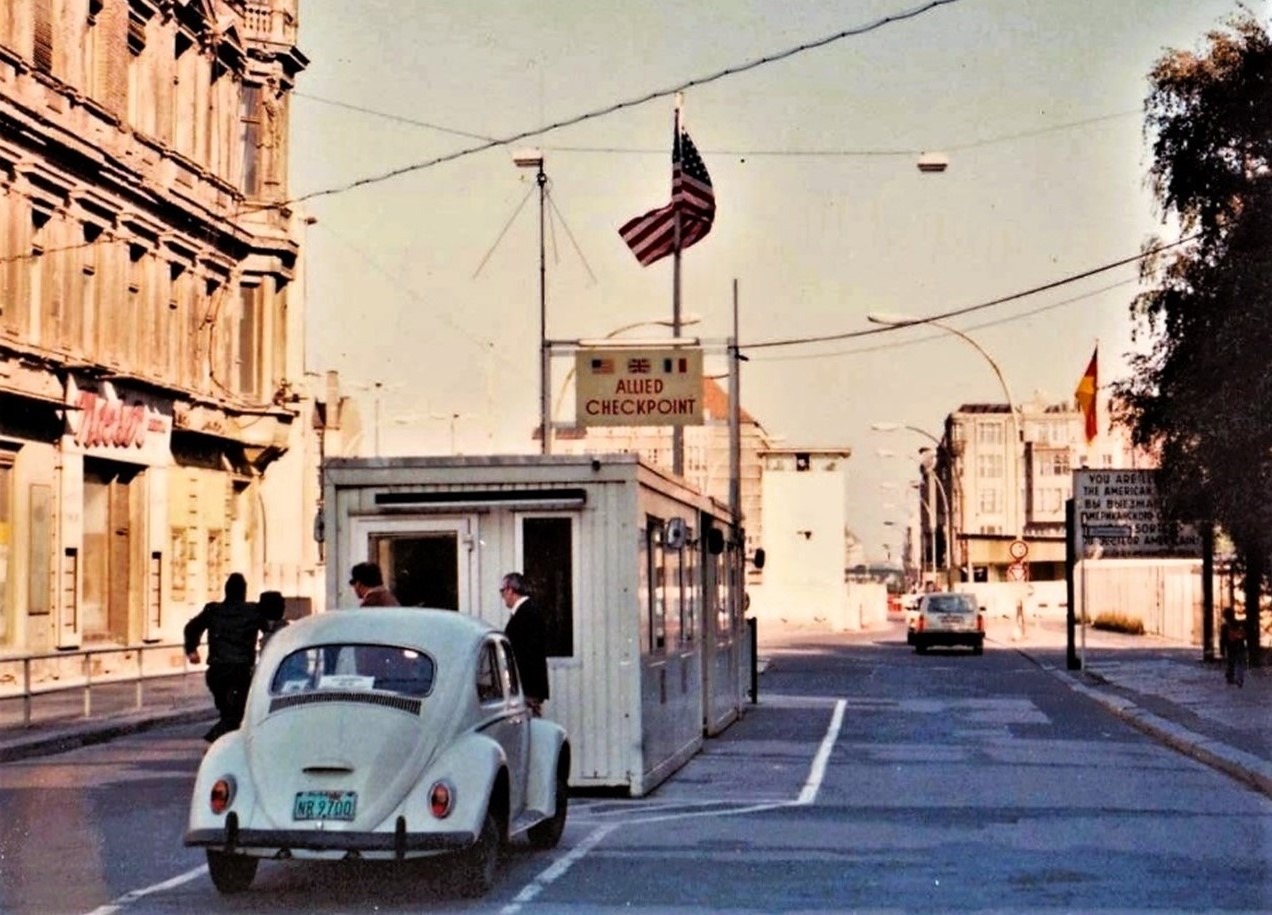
(1002, 476)
(152, 413)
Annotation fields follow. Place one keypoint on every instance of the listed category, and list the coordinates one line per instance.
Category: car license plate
(325, 805)
(951, 621)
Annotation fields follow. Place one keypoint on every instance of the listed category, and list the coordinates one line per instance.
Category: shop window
(547, 556)
(6, 542)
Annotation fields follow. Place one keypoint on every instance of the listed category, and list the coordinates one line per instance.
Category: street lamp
(534, 159)
(890, 320)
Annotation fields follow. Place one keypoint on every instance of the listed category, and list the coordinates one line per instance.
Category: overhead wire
(633, 102)
(969, 309)
(930, 338)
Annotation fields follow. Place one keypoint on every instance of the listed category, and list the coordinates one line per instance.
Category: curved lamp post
(890, 320)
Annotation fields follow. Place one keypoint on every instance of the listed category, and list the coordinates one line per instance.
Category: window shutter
(43, 46)
(111, 60)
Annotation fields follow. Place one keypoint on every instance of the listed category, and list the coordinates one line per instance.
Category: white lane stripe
(134, 895)
(556, 870)
(818, 772)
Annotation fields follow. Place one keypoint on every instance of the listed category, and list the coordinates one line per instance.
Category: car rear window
(951, 603)
(354, 667)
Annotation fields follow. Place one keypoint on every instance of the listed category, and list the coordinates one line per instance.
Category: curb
(87, 733)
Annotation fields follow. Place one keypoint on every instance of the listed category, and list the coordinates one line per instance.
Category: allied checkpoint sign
(1118, 515)
(638, 387)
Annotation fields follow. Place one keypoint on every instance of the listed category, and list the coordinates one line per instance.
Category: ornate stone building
(151, 359)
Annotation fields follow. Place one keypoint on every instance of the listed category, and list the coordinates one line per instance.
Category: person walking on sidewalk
(233, 626)
(1232, 635)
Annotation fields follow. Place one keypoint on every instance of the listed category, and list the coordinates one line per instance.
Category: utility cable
(622, 105)
(956, 312)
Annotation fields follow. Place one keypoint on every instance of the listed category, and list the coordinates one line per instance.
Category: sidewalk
(1157, 685)
(1165, 689)
(58, 722)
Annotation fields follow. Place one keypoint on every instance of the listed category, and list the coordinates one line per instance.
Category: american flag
(653, 236)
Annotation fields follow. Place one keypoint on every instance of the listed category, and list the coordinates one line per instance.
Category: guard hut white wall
(648, 647)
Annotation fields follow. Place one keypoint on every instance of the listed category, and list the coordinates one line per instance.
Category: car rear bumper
(286, 842)
(931, 637)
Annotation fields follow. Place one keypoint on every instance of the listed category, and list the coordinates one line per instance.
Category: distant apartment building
(1006, 477)
(150, 327)
(706, 452)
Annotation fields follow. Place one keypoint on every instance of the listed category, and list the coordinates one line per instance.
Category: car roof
(424, 628)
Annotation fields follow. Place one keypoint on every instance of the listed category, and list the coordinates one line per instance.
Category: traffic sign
(1017, 571)
(1018, 550)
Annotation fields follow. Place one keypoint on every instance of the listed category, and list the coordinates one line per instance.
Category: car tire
(231, 873)
(547, 834)
(476, 865)
(920, 647)
(979, 647)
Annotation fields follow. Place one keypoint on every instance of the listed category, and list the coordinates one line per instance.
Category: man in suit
(368, 584)
(529, 637)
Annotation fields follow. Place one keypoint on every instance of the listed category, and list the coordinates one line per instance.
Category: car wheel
(920, 647)
(475, 874)
(547, 834)
(978, 648)
(231, 873)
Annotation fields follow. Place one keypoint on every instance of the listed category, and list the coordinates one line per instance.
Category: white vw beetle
(387, 733)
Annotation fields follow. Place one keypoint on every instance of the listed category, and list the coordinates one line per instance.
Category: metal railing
(27, 678)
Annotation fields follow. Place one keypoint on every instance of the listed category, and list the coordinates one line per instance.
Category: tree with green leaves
(1201, 395)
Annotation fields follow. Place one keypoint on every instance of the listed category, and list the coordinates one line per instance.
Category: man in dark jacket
(529, 637)
(232, 626)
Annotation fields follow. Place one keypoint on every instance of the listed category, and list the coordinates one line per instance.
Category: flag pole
(677, 431)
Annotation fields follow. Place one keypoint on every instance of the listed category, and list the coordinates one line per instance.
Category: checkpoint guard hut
(640, 578)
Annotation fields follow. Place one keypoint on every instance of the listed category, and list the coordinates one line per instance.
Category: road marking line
(556, 870)
(818, 772)
(133, 895)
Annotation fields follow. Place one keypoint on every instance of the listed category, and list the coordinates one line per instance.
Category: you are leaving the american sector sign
(638, 387)
(1117, 511)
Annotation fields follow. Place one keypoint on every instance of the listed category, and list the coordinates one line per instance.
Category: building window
(989, 466)
(989, 433)
(547, 562)
(1054, 464)
(991, 501)
(249, 339)
(250, 138)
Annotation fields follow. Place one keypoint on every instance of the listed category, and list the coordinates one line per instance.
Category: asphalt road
(867, 778)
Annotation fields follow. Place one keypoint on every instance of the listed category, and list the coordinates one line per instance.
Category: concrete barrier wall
(849, 607)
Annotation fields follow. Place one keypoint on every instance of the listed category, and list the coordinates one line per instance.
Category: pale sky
(1037, 104)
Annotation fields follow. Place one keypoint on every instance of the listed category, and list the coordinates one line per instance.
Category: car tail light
(919, 623)
(441, 799)
(222, 794)
(980, 622)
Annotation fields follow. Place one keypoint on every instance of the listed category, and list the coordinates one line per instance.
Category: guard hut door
(427, 562)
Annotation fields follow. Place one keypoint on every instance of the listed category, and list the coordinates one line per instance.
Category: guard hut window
(653, 573)
(547, 560)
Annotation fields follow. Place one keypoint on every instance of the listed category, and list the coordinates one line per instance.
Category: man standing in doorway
(529, 637)
(232, 626)
(368, 584)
